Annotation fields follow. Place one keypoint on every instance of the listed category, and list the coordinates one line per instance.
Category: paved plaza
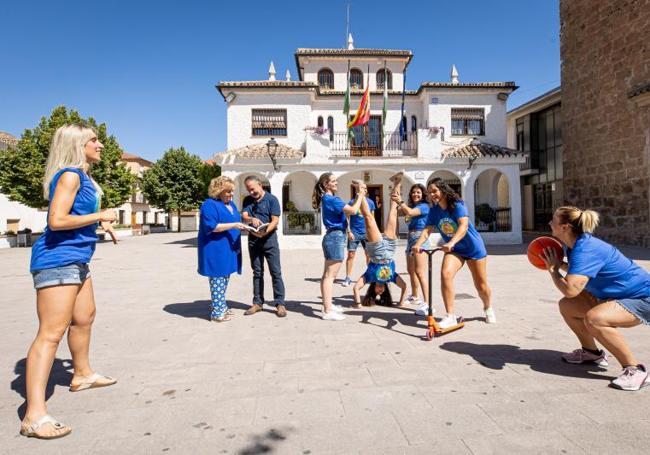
(300, 385)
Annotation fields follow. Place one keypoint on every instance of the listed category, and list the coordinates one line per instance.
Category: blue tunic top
(71, 246)
(611, 275)
(357, 223)
(333, 216)
(219, 252)
(418, 222)
(471, 246)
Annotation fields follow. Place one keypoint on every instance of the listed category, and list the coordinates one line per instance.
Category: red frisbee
(536, 249)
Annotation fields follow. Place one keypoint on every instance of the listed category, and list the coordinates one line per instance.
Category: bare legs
(451, 264)
(59, 308)
(330, 271)
(416, 265)
(591, 321)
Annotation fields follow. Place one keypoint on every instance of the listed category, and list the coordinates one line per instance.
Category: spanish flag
(363, 113)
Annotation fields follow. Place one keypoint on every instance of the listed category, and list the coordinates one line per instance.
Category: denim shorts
(638, 307)
(358, 239)
(334, 245)
(57, 276)
(412, 238)
(382, 251)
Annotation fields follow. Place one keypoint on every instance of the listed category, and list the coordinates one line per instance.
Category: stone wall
(605, 53)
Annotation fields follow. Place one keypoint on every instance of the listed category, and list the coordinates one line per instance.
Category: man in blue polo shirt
(261, 207)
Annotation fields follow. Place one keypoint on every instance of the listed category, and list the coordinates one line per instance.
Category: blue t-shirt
(380, 273)
(71, 246)
(357, 223)
(611, 275)
(333, 216)
(219, 252)
(471, 246)
(263, 210)
(418, 223)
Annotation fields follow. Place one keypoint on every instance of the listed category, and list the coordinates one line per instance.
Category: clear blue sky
(148, 68)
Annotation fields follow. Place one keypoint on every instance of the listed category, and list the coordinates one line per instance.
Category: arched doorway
(492, 202)
(298, 215)
(450, 179)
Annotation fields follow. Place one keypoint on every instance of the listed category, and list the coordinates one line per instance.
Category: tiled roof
(131, 157)
(508, 84)
(473, 148)
(259, 152)
(8, 139)
(249, 84)
(361, 52)
(640, 90)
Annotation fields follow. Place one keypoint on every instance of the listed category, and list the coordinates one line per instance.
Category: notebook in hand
(260, 228)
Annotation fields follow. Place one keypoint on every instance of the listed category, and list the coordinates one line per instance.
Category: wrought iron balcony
(374, 144)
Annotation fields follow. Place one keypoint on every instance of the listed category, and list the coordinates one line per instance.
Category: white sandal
(31, 430)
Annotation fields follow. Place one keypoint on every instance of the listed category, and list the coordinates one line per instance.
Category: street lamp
(272, 150)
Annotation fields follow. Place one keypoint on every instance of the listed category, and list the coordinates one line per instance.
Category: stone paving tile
(369, 384)
(529, 442)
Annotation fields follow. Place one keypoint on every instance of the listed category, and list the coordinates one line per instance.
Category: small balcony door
(367, 139)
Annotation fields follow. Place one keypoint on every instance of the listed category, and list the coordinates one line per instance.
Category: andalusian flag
(346, 104)
(384, 111)
(363, 113)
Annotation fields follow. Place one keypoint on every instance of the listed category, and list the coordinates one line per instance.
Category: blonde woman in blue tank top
(59, 266)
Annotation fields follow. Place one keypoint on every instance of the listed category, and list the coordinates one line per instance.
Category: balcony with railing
(373, 144)
(531, 166)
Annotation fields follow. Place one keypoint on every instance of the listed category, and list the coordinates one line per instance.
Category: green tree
(22, 168)
(206, 174)
(173, 182)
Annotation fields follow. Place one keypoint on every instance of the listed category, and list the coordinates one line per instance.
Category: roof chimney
(350, 42)
(287, 75)
(454, 74)
(271, 72)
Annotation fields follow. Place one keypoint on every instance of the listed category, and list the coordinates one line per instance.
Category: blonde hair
(582, 221)
(218, 185)
(67, 150)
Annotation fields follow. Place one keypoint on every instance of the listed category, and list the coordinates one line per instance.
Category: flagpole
(402, 126)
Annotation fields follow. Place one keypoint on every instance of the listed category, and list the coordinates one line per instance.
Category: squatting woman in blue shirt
(59, 267)
(603, 290)
(219, 243)
(463, 244)
(334, 212)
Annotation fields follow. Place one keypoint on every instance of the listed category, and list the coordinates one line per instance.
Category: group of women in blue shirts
(603, 290)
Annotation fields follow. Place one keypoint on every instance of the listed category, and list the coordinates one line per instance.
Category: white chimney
(287, 75)
(454, 74)
(350, 42)
(271, 72)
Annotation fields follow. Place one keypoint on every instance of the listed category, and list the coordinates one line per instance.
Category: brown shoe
(254, 309)
(282, 311)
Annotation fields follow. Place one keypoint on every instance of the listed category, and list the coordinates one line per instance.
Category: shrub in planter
(485, 213)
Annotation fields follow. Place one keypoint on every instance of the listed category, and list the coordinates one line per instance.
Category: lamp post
(272, 150)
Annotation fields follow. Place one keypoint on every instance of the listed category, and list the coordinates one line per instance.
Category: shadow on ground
(61, 374)
(199, 309)
(188, 243)
(496, 356)
(266, 443)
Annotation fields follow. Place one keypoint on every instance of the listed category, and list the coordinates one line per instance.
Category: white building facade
(452, 130)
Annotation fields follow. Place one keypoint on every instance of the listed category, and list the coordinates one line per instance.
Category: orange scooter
(433, 329)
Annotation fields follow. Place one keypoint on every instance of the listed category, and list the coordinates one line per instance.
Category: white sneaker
(333, 316)
(337, 308)
(423, 309)
(412, 299)
(347, 282)
(448, 321)
(490, 317)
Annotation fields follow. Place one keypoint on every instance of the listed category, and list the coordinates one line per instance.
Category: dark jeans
(269, 249)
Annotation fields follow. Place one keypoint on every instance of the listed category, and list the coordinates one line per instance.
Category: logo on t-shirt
(384, 273)
(447, 226)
